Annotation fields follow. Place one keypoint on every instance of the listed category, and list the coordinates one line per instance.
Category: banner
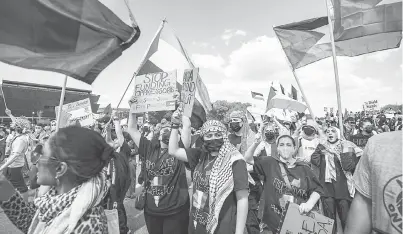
(80, 110)
(313, 222)
(325, 109)
(190, 77)
(371, 106)
(154, 92)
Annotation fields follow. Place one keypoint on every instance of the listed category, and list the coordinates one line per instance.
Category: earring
(57, 180)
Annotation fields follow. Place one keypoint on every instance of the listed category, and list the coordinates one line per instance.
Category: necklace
(208, 164)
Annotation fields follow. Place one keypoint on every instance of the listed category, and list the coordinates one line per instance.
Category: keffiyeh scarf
(221, 177)
(60, 214)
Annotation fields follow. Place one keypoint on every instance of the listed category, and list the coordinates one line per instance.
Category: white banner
(80, 110)
(371, 106)
(154, 92)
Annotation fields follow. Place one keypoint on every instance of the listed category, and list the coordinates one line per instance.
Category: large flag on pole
(307, 41)
(167, 53)
(78, 38)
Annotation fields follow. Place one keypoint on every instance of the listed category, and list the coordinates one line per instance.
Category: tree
(222, 109)
(394, 107)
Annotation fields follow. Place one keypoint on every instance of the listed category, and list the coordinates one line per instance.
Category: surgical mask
(235, 126)
(270, 135)
(213, 145)
(286, 152)
(309, 131)
(165, 137)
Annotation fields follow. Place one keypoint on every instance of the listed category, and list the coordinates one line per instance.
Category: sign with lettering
(80, 110)
(295, 223)
(371, 106)
(331, 109)
(140, 120)
(325, 109)
(188, 93)
(154, 92)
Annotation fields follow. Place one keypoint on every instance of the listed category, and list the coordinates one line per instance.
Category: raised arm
(249, 152)
(186, 135)
(133, 130)
(173, 148)
(118, 130)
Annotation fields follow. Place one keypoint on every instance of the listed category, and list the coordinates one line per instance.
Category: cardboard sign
(325, 109)
(331, 109)
(154, 92)
(188, 93)
(295, 223)
(80, 110)
(371, 106)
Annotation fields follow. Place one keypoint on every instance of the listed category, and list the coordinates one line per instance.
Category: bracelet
(175, 126)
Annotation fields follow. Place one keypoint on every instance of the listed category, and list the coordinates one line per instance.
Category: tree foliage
(394, 107)
(222, 109)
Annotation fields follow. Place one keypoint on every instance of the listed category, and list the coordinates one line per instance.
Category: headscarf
(221, 180)
(22, 122)
(335, 149)
(247, 135)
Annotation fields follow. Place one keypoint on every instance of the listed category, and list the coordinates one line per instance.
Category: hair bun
(108, 154)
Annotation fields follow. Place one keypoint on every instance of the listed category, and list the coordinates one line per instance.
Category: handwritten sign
(154, 92)
(371, 106)
(312, 223)
(190, 77)
(140, 120)
(325, 109)
(80, 110)
(331, 109)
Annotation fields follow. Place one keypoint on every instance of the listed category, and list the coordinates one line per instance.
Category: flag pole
(297, 80)
(61, 103)
(336, 70)
(141, 64)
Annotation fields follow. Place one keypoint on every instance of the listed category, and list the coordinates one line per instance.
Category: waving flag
(163, 56)
(358, 29)
(257, 96)
(78, 38)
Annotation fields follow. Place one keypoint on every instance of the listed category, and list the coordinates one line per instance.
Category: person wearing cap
(308, 141)
(336, 159)
(12, 169)
(285, 179)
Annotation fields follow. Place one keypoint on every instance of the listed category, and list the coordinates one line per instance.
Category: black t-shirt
(167, 191)
(201, 164)
(125, 150)
(234, 139)
(303, 183)
(360, 140)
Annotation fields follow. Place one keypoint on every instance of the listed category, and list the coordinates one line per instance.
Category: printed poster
(80, 110)
(154, 92)
(190, 77)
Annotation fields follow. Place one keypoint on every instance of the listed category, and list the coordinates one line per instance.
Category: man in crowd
(366, 131)
(377, 205)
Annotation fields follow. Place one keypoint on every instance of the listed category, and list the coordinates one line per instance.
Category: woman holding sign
(220, 180)
(285, 180)
(166, 208)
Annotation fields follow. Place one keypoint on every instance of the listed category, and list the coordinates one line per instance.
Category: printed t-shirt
(167, 191)
(360, 140)
(378, 177)
(306, 149)
(201, 164)
(303, 183)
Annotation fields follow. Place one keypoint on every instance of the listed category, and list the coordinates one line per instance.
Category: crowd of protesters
(224, 178)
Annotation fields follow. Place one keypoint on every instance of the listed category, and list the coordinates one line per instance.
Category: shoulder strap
(112, 189)
(285, 176)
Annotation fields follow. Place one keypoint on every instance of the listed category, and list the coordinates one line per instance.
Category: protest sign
(154, 92)
(371, 106)
(325, 109)
(331, 109)
(190, 77)
(295, 223)
(80, 110)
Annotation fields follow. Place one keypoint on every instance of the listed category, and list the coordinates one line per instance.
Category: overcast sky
(234, 45)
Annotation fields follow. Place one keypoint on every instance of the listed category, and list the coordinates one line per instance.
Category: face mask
(213, 145)
(286, 152)
(309, 131)
(368, 129)
(270, 136)
(235, 126)
(165, 137)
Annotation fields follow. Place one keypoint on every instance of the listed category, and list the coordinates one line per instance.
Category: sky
(233, 44)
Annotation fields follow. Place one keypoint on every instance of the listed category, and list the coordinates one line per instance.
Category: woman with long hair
(72, 164)
(284, 180)
(220, 180)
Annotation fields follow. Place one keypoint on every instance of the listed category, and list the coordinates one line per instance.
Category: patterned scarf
(221, 178)
(51, 204)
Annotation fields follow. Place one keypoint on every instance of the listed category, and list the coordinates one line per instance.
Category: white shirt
(307, 148)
